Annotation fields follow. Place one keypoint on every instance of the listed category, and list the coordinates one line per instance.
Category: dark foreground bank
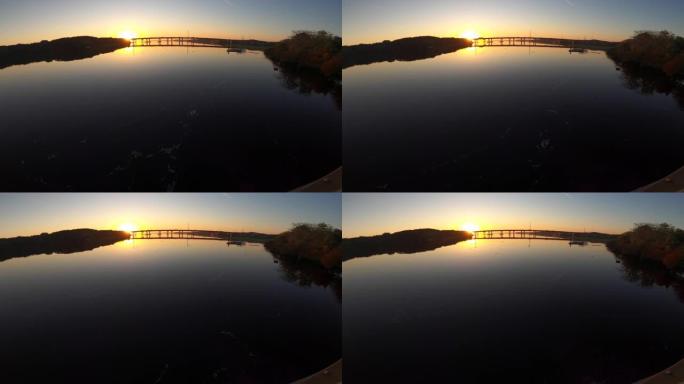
(69, 241)
(64, 49)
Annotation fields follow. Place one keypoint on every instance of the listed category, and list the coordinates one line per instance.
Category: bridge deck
(180, 41)
(194, 234)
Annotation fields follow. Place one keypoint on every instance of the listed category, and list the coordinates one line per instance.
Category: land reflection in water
(65, 49)
(306, 274)
(307, 81)
(648, 82)
(403, 242)
(68, 241)
(407, 49)
(649, 273)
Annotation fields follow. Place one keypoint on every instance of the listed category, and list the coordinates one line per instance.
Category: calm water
(508, 119)
(161, 119)
(508, 311)
(163, 311)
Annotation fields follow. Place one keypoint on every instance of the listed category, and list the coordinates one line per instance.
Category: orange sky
(367, 21)
(29, 214)
(373, 214)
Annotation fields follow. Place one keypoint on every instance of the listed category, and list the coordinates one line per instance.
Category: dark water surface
(513, 311)
(158, 119)
(163, 311)
(508, 119)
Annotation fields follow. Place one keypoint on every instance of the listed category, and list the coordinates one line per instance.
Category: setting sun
(470, 227)
(128, 35)
(470, 35)
(128, 227)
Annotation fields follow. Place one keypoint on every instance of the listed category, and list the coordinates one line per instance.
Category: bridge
(538, 234)
(188, 41)
(522, 41)
(177, 41)
(191, 234)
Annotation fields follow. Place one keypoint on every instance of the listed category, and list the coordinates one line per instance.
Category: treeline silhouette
(68, 241)
(406, 49)
(313, 243)
(662, 244)
(320, 51)
(662, 51)
(410, 241)
(64, 49)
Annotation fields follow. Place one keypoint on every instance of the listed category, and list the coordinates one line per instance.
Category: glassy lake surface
(516, 311)
(164, 311)
(508, 119)
(158, 119)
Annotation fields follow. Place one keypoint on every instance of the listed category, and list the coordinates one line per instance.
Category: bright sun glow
(470, 35)
(470, 227)
(128, 227)
(128, 35)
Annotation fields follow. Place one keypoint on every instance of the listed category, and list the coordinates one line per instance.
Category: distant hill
(406, 49)
(410, 241)
(65, 49)
(69, 241)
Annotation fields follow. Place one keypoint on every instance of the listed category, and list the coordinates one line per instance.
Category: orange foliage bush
(320, 51)
(658, 242)
(663, 51)
(317, 243)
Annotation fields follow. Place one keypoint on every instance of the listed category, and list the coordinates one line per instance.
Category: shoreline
(674, 182)
(331, 374)
(332, 182)
(672, 375)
